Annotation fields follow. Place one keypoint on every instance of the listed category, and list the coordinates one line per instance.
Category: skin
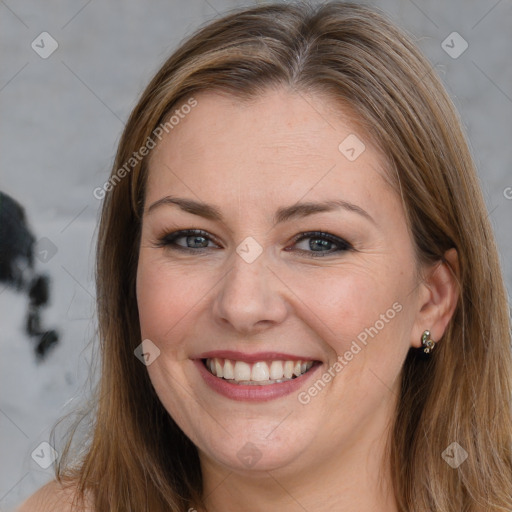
(248, 159)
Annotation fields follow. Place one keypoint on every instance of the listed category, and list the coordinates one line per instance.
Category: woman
(299, 295)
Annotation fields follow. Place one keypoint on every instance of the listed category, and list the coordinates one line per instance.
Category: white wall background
(60, 120)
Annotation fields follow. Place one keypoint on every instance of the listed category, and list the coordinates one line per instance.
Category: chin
(247, 450)
(253, 458)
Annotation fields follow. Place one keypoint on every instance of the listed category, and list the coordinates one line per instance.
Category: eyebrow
(283, 214)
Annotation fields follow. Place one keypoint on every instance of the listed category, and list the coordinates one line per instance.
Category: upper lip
(235, 355)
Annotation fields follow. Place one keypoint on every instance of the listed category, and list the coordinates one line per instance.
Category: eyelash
(169, 240)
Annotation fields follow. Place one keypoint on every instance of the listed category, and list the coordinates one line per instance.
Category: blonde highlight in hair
(137, 457)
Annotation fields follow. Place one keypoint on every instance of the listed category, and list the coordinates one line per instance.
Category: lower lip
(255, 393)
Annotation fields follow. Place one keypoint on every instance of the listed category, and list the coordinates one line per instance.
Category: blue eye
(196, 241)
(318, 241)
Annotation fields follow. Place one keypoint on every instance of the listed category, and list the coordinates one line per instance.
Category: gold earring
(427, 342)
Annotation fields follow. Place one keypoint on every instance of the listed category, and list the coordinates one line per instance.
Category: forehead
(279, 146)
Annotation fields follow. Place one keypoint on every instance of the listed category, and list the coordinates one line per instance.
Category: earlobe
(441, 293)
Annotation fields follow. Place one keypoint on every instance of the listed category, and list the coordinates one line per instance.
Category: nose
(250, 298)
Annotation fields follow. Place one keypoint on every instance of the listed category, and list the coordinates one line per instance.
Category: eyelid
(342, 244)
(322, 234)
(167, 240)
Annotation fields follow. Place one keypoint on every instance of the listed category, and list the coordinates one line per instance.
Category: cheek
(361, 314)
(164, 297)
(348, 300)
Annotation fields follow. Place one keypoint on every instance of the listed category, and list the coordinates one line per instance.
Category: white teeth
(228, 369)
(288, 369)
(218, 368)
(276, 370)
(260, 373)
(242, 371)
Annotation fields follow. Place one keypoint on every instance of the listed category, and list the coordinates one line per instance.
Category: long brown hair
(136, 457)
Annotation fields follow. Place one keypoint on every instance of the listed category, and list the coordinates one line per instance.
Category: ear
(438, 296)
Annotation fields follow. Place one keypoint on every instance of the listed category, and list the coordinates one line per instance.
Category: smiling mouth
(260, 373)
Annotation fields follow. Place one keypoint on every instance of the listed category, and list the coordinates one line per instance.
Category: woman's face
(249, 299)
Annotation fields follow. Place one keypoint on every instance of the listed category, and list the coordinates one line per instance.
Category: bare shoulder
(54, 497)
